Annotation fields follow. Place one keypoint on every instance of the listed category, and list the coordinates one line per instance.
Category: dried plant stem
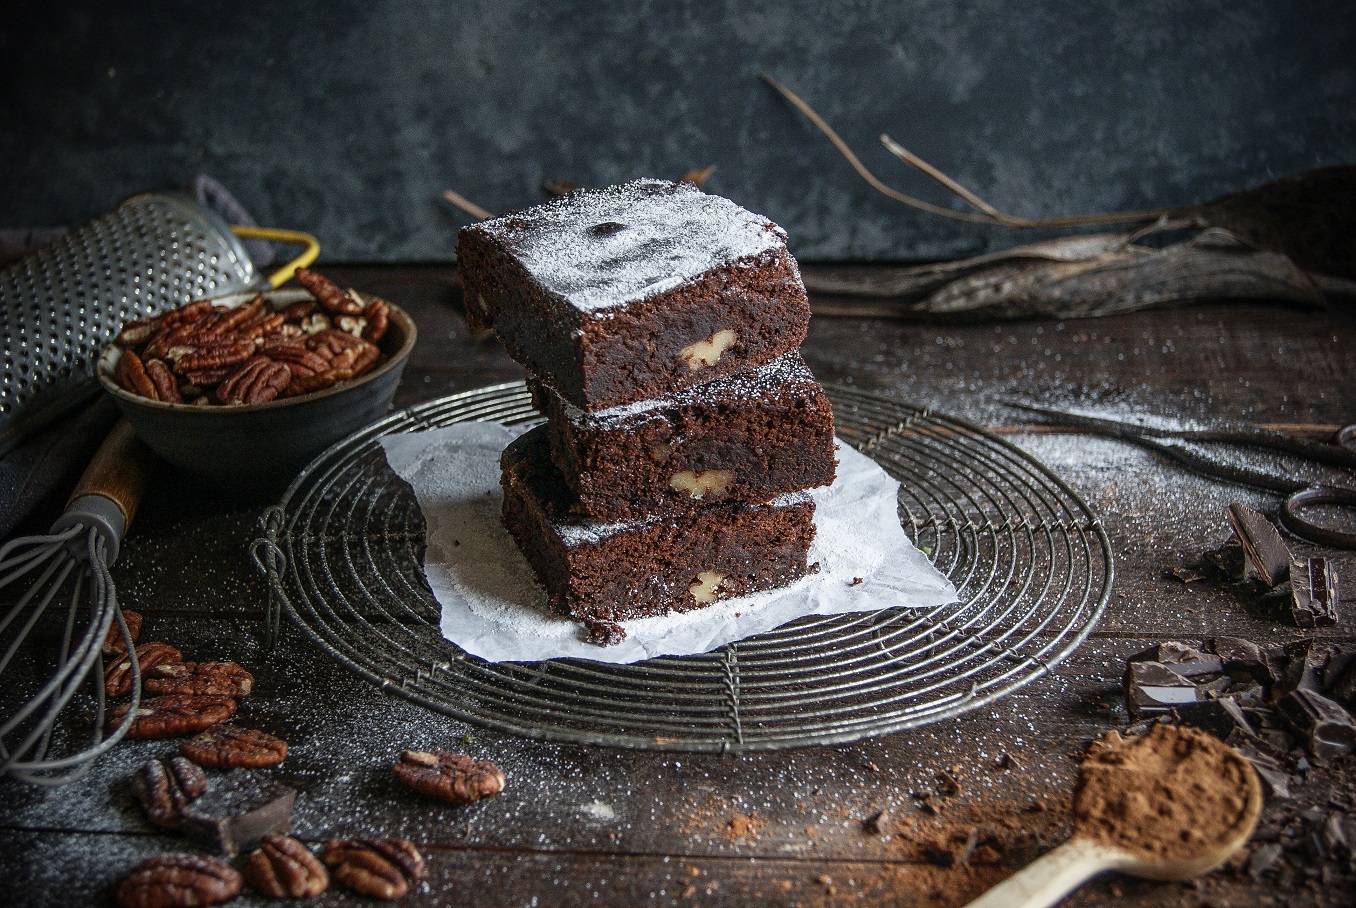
(990, 215)
(467, 205)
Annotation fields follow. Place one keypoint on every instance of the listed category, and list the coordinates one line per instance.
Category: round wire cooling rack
(1031, 561)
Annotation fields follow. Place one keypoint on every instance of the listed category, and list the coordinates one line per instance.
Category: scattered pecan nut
(118, 676)
(174, 715)
(163, 787)
(173, 880)
(330, 294)
(284, 868)
(452, 777)
(214, 679)
(380, 868)
(114, 643)
(233, 746)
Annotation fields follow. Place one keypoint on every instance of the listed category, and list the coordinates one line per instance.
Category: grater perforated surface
(1031, 561)
(61, 305)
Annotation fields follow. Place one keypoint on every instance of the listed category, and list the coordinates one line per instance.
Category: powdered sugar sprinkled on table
(493, 608)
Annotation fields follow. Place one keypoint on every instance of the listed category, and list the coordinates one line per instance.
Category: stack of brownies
(660, 326)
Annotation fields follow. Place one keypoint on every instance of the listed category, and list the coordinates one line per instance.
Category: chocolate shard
(1228, 559)
(1326, 729)
(1268, 556)
(1152, 689)
(239, 809)
(1342, 687)
(1220, 717)
(1304, 670)
(1185, 660)
(1313, 593)
(1270, 770)
(1242, 657)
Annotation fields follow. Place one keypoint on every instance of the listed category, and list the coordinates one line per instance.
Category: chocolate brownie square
(617, 571)
(749, 437)
(635, 291)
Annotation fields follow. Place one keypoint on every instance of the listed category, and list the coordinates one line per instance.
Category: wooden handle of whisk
(118, 471)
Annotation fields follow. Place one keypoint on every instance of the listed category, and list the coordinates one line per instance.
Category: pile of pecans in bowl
(251, 354)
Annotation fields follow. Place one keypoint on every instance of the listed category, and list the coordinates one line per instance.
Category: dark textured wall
(348, 118)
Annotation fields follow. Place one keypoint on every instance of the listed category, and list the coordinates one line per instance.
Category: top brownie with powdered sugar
(633, 292)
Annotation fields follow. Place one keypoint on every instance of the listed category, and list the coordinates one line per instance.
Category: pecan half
(331, 341)
(378, 315)
(227, 352)
(233, 388)
(113, 643)
(209, 378)
(174, 715)
(452, 777)
(118, 676)
(173, 880)
(285, 868)
(187, 314)
(299, 310)
(294, 354)
(214, 679)
(167, 339)
(380, 868)
(166, 385)
(163, 787)
(330, 294)
(230, 319)
(132, 375)
(232, 747)
(263, 326)
(135, 333)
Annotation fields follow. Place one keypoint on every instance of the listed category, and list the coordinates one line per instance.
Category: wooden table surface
(585, 825)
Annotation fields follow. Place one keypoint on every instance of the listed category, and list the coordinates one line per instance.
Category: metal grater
(63, 304)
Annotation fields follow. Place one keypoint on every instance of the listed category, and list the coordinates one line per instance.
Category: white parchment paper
(494, 609)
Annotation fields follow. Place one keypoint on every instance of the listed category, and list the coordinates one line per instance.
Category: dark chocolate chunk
(1326, 729)
(1313, 593)
(1152, 688)
(1221, 717)
(1228, 559)
(1243, 656)
(1303, 670)
(238, 810)
(1270, 770)
(1268, 556)
(1184, 660)
(1342, 687)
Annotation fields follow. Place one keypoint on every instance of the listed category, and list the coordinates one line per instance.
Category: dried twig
(467, 205)
(990, 214)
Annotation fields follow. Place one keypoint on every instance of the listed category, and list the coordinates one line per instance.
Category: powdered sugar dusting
(780, 378)
(493, 608)
(601, 248)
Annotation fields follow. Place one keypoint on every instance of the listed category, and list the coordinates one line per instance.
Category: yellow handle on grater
(283, 274)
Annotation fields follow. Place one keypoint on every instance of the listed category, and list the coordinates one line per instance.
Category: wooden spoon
(1054, 875)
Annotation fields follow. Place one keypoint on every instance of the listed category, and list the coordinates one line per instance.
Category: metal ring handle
(1314, 532)
(1346, 437)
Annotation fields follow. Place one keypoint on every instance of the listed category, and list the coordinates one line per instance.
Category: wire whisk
(69, 568)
